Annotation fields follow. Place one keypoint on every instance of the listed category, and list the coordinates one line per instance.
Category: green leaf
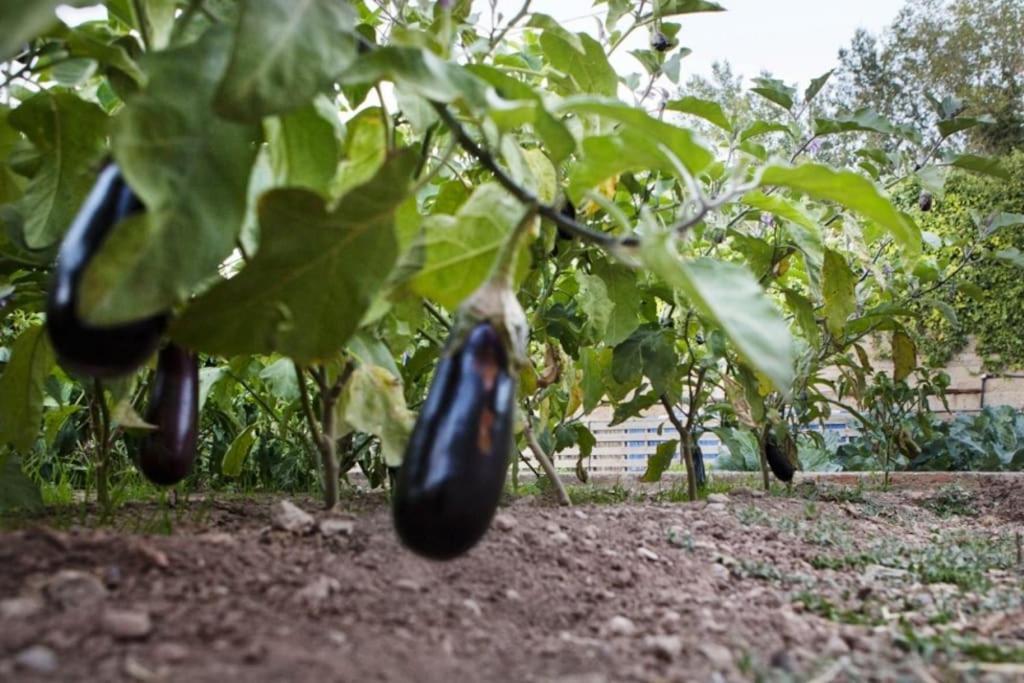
(816, 85)
(711, 112)
(775, 91)
(660, 461)
(808, 238)
(624, 297)
(280, 378)
(803, 312)
(314, 277)
(637, 404)
(17, 491)
(418, 71)
(594, 302)
(650, 351)
(731, 297)
(759, 128)
(373, 402)
(1012, 256)
(69, 135)
(991, 166)
(22, 21)
(839, 291)
(191, 170)
(669, 8)
(460, 249)
(586, 71)
(904, 356)
(853, 191)
(22, 390)
(865, 120)
(548, 23)
(304, 147)
(596, 365)
(365, 151)
(238, 451)
(285, 52)
(953, 126)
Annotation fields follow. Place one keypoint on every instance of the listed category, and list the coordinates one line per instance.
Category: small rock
(317, 590)
(38, 659)
(646, 554)
(287, 516)
(71, 588)
(21, 607)
(217, 538)
(836, 646)
(171, 652)
(621, 626)
(716, 507)
(714, 498)
(505, 521)
(513, 595)
(408, 585)
(473, 606)
(137, 671)
(664, 647)
(560, 537)
(112, 577)
(590, 531)
(719, 655)
(337, 637)
(333, 526)
(127, 624)
(580, 514)
(255, 653)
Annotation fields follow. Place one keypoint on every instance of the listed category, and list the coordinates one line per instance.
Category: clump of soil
(848, 587)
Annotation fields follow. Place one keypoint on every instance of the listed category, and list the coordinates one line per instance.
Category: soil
(824, 583)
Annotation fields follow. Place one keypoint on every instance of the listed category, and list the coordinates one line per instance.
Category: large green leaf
(373, 402)
(853, 191)
(865, 120)
(708, 110)
(775, 91)
(418, 71)
(460, 249)
(978, 164)
(731, 297)
(365, 151)
(624, 297)
(23, 20)
(596, 365)
(285, 52)
(304, 146)
(69, 134)
(191, 170)
(904, 355)
(313, 278)
(668, 8)
(660, 461)
(238, 451)
(839, 291)
(586, 71)
(22, 390)
(17, 491)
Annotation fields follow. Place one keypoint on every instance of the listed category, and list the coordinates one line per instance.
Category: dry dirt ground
(826, 583)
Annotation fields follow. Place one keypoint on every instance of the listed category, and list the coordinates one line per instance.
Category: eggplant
(108, 351)
(778, 459)
(660, 42)
(167, 454)
(698, 466)
(569, 211)
(925, 202)
(451, 479)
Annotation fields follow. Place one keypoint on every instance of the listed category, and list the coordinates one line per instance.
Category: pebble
(505, 522)
(513, 595)
(719, 655)
(716, 507)
(621, 626)
(408, 585)
(590, 531)
(38, 659)
(718, 498)
(127, 624)
(318, 590)
(836, 646)
(646, 554)
(21, 607)
(337, 527)
(171, 652)
(580, 514)
(473, 606)
(287, 516)
(560, 537)
(664, 647)
(71, 588)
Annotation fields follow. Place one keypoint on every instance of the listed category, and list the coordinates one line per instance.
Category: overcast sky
(796, 40)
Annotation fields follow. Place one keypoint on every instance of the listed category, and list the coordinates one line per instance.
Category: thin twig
(546, 464)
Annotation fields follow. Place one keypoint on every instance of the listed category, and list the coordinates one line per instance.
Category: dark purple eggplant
(660, 42)
(569, 211)
(778, 459)
(108, 351)
(167, 454)
(450, 482)
(925, 201)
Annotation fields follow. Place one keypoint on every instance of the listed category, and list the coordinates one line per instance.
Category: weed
(952, 500)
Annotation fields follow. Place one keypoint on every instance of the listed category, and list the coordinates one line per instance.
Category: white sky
(796, 40)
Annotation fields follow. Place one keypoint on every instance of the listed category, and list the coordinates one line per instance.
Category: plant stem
(101, 428)
(140, 16)
(684, 444)
(546, 464)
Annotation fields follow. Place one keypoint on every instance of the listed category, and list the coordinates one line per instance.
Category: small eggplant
(660, 42)
(925, 201)
(450, 482)
(109, 351)
(778, 459)
(698, 466)
(569, 211)
(167, 454)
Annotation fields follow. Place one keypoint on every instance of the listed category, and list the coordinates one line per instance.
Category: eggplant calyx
(495, 303)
